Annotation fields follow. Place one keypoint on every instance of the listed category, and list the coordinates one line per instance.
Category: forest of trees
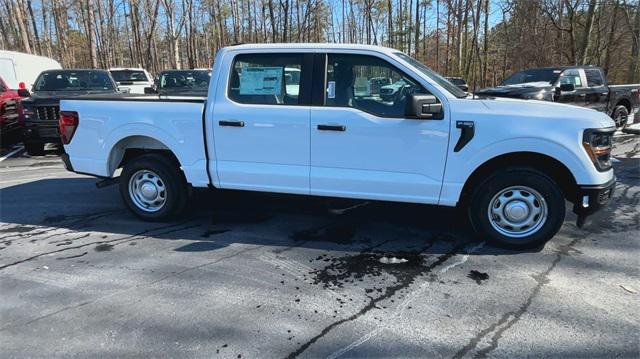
(480, 40)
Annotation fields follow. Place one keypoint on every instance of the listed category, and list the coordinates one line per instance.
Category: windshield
(184, 81)
(534, 75)
(453, 89)
(129, 75)
(74, 81)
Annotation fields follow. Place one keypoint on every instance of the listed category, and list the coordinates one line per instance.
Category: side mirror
(423, 107)
(149, 90)
(24, 93)
(567, 87)
(121, 90)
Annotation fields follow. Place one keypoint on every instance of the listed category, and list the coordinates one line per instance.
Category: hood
(54, 97)
(516, 90)
(514, 108)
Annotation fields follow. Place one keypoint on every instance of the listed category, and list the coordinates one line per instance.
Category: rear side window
(266, 79)
(594, 77)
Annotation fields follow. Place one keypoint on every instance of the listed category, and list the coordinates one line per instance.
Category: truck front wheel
(153, 187)
(517, 208)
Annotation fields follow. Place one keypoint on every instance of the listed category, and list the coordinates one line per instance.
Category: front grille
(48, 113)
(10, 108)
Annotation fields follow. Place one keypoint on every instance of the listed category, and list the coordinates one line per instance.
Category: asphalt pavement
(254, 275)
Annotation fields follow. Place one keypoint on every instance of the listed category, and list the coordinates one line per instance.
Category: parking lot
(250, 275)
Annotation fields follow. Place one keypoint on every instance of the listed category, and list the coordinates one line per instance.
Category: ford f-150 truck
(511, 163)
(580, 86)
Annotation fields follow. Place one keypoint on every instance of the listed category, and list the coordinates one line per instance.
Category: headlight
(597, 142)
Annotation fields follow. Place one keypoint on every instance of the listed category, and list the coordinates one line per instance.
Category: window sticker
(331, 89)
(261, 81)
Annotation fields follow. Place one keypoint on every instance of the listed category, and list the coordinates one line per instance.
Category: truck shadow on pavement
(68, 212)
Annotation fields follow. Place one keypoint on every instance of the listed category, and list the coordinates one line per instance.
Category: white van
(18, 67)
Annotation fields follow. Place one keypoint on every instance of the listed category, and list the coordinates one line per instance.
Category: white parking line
(19, 149)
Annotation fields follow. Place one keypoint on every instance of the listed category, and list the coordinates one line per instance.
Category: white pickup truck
(329, 132)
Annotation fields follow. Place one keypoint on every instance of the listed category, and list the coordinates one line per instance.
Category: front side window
(266, 79)
(571, 76)
(369, 84)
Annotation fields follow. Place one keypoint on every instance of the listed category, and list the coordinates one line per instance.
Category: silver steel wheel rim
(517, 211)
(147, 191)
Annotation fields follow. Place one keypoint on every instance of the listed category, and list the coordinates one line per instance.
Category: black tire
(34, 148)
(484, 196)
(620, 117)
(174, 187)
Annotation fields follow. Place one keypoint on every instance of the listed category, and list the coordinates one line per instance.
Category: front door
(261, 124)
(362, 146)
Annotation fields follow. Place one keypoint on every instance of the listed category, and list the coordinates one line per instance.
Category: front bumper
(590, 199)
(40, 133)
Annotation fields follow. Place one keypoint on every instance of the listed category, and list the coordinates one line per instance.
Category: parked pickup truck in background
(181, 84)
(336, 136)
(581, 86)
(40, 111)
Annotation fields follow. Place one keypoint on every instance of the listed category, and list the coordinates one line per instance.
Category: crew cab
(432, 144)
(40, 111)
(575, 85)
(131, 80)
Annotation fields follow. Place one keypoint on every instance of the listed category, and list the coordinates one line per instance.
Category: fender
(193, 164)
(460, 167)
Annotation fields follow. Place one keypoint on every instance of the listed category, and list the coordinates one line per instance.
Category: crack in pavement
(389, 292)
(144, 234)
(510, 318)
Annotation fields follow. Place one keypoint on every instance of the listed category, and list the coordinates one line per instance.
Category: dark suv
(40, 112)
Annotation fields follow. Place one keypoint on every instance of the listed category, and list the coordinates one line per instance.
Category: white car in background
(20, 70)
(131, 80)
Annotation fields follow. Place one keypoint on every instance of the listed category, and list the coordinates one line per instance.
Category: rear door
(597, 95)
(362, 146)
(261, 122)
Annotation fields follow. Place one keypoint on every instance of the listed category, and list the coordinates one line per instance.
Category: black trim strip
(206, 145)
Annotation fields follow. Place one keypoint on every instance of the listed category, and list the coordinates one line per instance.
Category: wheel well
(543, 163)
(624, 102)
(134, 146)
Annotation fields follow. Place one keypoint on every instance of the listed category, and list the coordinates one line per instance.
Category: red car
(10, 121)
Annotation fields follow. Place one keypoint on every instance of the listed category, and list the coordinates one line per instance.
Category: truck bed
(173, 124)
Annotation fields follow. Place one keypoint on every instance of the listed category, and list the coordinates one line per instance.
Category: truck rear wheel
(517, 208)
(153, 187)
(620, 117)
